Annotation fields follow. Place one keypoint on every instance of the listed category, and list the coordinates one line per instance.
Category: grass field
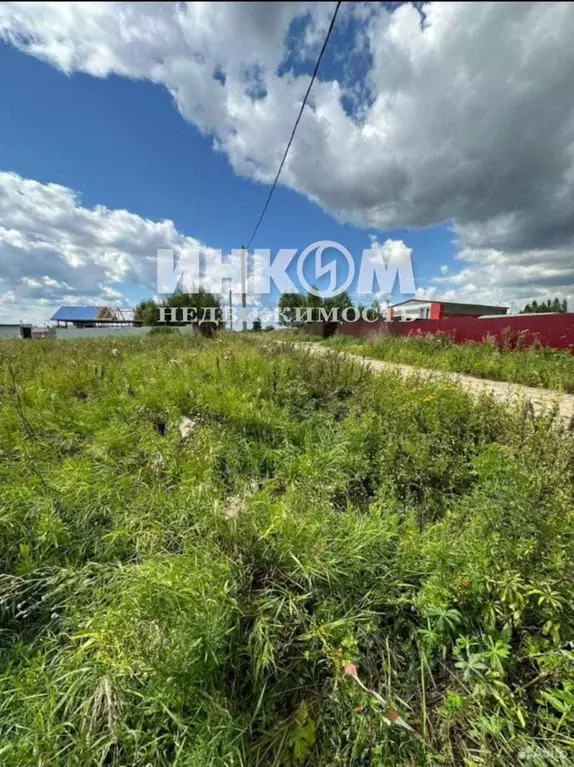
(200, 593)
(547, 368)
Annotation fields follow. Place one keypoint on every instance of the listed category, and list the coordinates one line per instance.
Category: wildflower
(186, 427)
(115, 352)
(351, 670)
(157, 464)
(389, 713)
(235, 507)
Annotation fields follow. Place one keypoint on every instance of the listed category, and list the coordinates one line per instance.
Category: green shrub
(162, 330)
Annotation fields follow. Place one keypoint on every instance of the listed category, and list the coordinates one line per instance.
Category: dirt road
(541, 399)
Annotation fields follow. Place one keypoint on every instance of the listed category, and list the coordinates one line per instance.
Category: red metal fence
(555, 330)
(364, 328)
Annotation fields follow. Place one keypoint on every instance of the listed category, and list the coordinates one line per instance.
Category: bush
(161, 330)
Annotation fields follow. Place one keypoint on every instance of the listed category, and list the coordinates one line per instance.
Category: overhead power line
(331, 25)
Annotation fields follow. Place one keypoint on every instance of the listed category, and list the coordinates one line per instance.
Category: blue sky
(93, 115)
(120, 143)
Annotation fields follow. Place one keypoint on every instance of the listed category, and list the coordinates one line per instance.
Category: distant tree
(312, 301)
(342, 301)
(290, 301)
(372, 312)
(147, 312)
(268, 328)
(199, 300)
(257, 325)
(551, 305)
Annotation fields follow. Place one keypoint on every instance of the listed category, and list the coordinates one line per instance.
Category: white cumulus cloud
(54, 251)
(465, 116)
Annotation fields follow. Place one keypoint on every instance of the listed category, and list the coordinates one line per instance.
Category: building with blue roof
(92, 316)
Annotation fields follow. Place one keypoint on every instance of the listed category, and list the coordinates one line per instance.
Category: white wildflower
(115, 352)
(157, 463)
(186, 427)
(235, 507)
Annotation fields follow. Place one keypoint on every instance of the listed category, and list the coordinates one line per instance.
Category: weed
(505, 360)
(232, 552)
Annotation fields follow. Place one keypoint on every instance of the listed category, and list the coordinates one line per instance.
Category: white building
(15, 330)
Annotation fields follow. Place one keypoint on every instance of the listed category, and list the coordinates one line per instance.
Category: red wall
(437, 312)
(364, 328)
(322, 329)
(556, 330)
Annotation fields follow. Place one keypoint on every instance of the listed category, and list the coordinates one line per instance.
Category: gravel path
(541, 399)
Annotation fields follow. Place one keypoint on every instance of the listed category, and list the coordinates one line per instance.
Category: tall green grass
(194, 601)
(541, 367)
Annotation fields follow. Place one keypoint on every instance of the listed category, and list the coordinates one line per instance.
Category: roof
(124, 315)
(414, 301)
(15, 325)
(77, 313)
(94, 314)
(447, 303)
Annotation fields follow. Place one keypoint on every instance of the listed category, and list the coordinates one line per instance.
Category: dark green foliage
(289, 302)
(372, 312)
(341, 301)
(555, 305)
(192, 600)
(147, 311)
(159, 330)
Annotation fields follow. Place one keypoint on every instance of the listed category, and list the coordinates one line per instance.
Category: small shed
(16, 330)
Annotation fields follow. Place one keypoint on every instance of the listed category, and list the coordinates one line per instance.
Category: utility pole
(230, 310)
(243, 288)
